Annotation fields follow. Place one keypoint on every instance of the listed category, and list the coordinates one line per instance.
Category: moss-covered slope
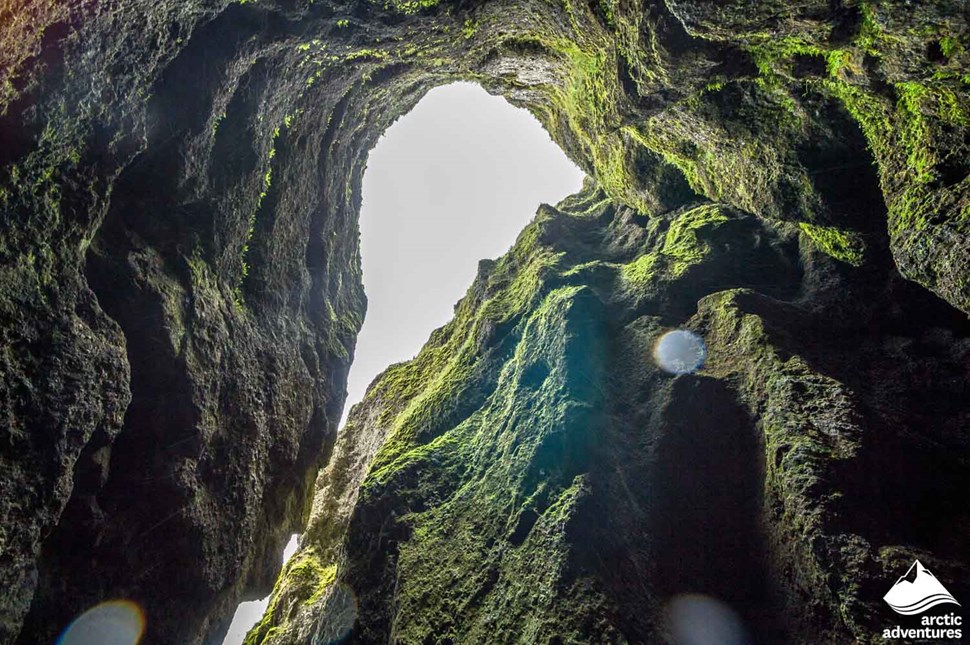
(533, 476)
(179, 273)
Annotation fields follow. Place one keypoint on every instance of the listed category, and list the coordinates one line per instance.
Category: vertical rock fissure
(140, 138)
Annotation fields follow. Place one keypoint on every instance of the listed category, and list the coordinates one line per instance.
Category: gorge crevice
(180, 296)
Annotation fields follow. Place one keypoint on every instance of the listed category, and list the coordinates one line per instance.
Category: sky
(450, 183)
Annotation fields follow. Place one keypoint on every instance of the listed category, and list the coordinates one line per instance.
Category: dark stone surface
(533, 475)
(180, 296)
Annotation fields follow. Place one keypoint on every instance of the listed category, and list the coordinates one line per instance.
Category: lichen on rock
(180, 288)
(489, 516)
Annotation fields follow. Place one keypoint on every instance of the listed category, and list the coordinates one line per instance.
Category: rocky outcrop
(180, 293)
(534, 475)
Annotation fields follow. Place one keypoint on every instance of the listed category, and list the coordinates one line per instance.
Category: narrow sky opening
(452, 182)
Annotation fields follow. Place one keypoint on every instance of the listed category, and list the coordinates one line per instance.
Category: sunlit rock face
(559, 463)
(180, 294)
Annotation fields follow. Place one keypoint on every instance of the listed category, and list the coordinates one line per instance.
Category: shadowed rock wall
(180, 294)
(533, 475)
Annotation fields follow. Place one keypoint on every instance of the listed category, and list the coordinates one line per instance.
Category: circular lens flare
(680, 352)
(115, 622)
(696, 619)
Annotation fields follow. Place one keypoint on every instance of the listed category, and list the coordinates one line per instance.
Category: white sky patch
(452, 182)
(248, 613)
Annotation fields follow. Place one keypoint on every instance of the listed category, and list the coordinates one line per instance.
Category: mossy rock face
(466, 486)
(537, 476)
(180, 290)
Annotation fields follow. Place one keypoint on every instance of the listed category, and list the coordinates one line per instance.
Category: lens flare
(115, 622)
(696, 619)
(680, 352)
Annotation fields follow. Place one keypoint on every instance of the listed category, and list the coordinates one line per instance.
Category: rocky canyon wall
(180, 295)
(533, 475)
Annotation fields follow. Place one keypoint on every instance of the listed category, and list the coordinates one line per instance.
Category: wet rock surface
(180, 296)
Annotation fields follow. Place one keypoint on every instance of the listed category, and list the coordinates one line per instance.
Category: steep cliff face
(534, 475)
(180, 294)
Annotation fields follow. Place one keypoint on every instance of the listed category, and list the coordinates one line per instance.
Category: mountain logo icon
(917, 591)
